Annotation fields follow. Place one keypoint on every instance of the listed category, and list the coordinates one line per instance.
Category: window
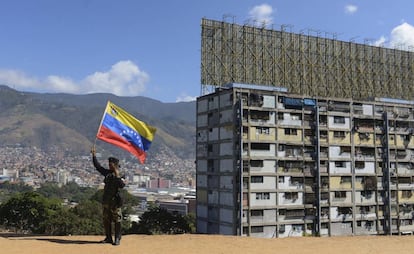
(339, 134)
(291, 195)
(406, 193)
(256, 163)
(340, 194)
(296, 117)
(345, 150)
(365, 209)
(259, 115)
(245, 130)
(257, 229)
(363, 136)
(263, 130)
(256, 179)
(324, 196)
(297, 228)
(340, 164)
(292, 132)
(210, 165)
(359, 164)
(344, 210)
(339, 119)
(256, 213)
(295, 213)
(260, 146)
(262, 195)
(345, 179)
(366, 194)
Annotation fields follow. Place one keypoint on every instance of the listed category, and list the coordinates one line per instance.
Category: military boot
(108, 233)
(117, 233)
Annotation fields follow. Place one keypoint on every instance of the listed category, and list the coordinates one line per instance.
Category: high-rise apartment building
(275, 164)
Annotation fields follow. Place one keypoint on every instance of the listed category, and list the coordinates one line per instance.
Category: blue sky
(152, 48)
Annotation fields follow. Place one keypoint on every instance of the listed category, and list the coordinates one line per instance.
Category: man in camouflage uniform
(111, 201)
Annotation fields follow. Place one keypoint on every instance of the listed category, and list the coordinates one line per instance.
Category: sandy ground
(206, 244)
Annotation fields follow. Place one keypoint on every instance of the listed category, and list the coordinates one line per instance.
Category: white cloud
(61, 84)
(351, 9)
(123, 79)
(185, 98)
(402, 35)
(262, 14)
(380, 42)
(18, 80)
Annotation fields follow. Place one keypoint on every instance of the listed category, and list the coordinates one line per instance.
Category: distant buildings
(158, 183)
(35, 167)
(9, 175)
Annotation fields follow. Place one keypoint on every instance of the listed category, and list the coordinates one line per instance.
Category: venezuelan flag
(121, 129)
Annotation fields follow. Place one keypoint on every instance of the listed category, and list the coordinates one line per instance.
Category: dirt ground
(206, 244)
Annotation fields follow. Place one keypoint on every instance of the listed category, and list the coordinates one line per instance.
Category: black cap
(113, 160)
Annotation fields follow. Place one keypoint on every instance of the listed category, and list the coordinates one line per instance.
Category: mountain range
(70, 122)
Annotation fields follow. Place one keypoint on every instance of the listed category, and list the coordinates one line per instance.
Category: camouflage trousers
(111, 213)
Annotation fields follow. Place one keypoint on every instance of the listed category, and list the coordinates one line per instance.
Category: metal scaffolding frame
(304, 64)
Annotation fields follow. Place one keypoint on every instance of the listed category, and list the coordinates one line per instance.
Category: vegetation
(71, 191)
(28, 212)
(158, 221)
(43, 212)
(7, 189)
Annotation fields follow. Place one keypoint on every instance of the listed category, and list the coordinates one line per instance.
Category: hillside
(208, 244)
(70, 122)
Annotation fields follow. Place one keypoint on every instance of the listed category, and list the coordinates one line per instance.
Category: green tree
(64, 222)
(89, 214)
(75, 193)
(157, 221)
(28, 212)
(71, 191)
(50, 190)
(7, 189)
(13, 187)
(191, 221)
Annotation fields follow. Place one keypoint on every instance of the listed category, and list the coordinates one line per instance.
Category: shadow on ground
(66, 241)
(14, 236)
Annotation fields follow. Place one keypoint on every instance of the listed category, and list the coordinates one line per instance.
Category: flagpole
(100, 124)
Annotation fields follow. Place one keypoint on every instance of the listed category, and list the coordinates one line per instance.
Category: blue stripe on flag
(129, 134)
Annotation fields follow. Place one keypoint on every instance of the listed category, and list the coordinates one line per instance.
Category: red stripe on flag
(111, 137)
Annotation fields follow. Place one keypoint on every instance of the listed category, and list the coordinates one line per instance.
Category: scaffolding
(303, 63)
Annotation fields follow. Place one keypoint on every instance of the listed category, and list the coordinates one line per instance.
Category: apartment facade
(275, 164)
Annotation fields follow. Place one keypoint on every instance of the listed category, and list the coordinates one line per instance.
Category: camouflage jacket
(112, 184)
